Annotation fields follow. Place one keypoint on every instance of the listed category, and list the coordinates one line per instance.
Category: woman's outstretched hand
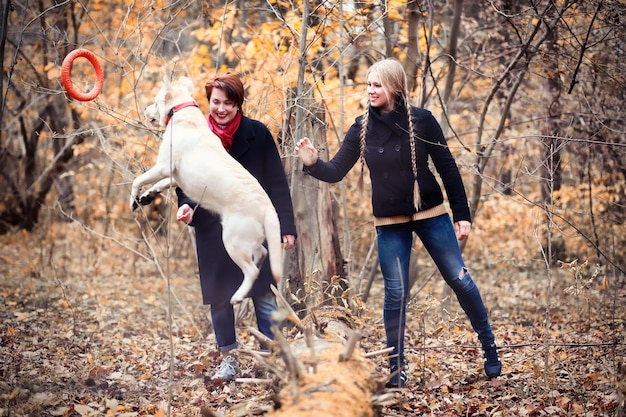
(306, 151)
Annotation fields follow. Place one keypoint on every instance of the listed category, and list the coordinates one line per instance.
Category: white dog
(192, 157)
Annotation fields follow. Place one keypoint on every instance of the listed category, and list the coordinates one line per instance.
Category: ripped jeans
(394, 251)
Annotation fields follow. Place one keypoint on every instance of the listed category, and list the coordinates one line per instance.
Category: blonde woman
(396, 141)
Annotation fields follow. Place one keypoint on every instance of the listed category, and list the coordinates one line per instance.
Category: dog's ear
(167, 77)
(185, 82)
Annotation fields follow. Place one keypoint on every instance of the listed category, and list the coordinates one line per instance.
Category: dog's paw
(243, 290)
(237, 298)
(147, 197)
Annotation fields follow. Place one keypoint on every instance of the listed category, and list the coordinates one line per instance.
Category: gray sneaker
(228, 369)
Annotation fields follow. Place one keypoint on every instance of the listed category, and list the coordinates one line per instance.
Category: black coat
(388, 157)
(254, 147)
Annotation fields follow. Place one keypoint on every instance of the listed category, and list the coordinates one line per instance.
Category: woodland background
(100, 307)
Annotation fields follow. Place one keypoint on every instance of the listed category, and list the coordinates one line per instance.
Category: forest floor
(85, 331)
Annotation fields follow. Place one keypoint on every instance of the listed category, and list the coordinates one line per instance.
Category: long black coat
(253, 146)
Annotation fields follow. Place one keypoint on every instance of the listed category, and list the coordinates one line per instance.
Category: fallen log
(328, 375)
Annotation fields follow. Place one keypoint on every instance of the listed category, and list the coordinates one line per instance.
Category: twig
(291, 314)
(517, 345)
(310, 342)
(267, 381)
(263, 339)
(378, 352)
(362, 271)
(294, 366)
(386, 398)
(260, 359)
(347, 354)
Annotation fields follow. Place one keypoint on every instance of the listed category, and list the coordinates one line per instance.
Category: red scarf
(227, 133)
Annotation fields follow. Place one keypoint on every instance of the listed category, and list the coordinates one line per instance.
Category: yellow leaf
(203, 50)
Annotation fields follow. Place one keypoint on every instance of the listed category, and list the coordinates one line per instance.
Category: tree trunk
(387, 30)
(58, 120)
(550, 132)
(412, 55)
(452, 47)
(317, 256)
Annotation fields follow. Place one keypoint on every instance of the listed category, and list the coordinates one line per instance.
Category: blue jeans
(394, 251)
(223, 318)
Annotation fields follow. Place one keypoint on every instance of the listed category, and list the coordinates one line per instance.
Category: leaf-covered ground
(85, 331)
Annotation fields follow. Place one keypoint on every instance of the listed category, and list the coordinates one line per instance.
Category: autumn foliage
(100, 309)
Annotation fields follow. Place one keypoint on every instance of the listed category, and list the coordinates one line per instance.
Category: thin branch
(583, 49)
(378, 352)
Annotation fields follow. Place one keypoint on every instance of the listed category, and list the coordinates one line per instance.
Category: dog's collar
(178, 107)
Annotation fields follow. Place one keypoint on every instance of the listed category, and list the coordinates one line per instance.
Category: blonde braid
(416, 188)
(362, 136)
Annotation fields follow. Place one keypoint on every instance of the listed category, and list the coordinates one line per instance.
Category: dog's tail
(274, 244)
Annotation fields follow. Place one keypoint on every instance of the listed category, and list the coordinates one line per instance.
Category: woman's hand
(184, 214)
(289, 241)
(306, 151)
(462, 228)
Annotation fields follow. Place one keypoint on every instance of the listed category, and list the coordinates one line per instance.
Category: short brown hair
(230, 83)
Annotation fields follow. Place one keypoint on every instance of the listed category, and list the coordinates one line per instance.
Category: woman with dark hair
(396, 141)
(251, 143)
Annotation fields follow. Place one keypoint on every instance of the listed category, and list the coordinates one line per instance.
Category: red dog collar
(178, 107)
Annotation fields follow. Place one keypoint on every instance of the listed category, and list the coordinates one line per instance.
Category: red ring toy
(67, 81)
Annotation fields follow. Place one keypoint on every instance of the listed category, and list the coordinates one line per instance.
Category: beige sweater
(420, 215)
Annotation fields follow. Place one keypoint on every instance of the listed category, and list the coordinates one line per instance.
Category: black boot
(493, 366)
